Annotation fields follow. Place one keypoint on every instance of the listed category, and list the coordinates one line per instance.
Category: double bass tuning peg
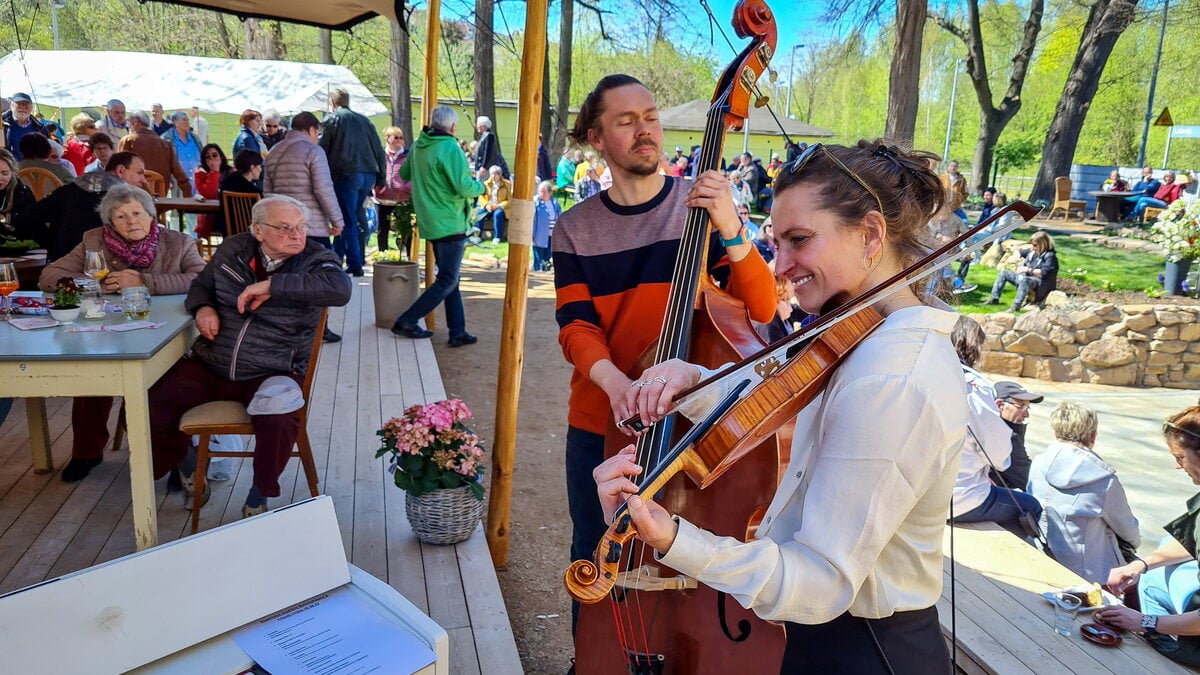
(772, 75)
(760, 101)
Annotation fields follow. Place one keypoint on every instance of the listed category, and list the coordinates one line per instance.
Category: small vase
(1175, 274)
(445, 516)
(66, 314)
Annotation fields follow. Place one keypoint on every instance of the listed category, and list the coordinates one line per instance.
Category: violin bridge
(646, 578)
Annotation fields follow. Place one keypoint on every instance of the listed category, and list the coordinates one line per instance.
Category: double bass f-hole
(743, 625)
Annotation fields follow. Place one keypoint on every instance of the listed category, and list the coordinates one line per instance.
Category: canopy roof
(59, 79)
(692, 116)
(335, 14)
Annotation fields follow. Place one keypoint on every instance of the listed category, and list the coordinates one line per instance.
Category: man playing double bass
(614, 257)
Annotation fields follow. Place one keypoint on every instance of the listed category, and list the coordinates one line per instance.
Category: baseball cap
(679, 148)
(21, 97)
(1015, 391)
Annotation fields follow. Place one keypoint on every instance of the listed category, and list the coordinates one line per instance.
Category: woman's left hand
(115, 281)
(1120, 617)
(654, 525)
(710, 191)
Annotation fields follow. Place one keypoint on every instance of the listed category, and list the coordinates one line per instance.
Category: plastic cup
(1066, 606)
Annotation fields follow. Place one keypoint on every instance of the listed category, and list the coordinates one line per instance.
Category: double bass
(655, 620)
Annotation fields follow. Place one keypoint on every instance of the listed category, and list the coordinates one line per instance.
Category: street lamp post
(950, 121)
(55, 5)
(791, 79)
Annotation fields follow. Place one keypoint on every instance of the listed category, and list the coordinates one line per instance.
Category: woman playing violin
(849, 554)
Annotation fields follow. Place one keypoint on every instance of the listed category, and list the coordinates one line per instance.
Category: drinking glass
(1065, 608)
(136, 302)
(95, 265)
(8, 283)
(90, 298)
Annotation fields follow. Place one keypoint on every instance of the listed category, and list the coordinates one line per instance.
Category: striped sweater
(612, 272)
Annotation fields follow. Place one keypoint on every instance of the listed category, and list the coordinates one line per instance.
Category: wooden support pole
(429, 100)
(520, 239)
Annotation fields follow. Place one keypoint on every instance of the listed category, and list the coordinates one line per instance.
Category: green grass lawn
(1084, 261)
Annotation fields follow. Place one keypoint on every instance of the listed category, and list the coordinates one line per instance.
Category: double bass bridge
(646, 578)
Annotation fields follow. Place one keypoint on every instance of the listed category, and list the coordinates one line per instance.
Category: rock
(1056, 370)
(992, 343)
(1192, 372)
(1169, 317)
(1034, 322)
(1138, 309)
(1189, 332)
(1169, 346)
(1194, 347)
(1149, 380)
(1058, 317)
(1090, 335)
(1165, 359)
(1138, 337)
(1140, 321)
(1033, 344)
(1108, 352)
(1067, 351)
(1001, 363)
(1117, 329)
(1004, 321)
(1061, 336)
(1166, 333)
(1084, 319)
(1120, 376)
(1157, 370)
(1057, 299)
(1188, 357)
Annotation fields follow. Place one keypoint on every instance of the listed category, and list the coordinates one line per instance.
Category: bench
(1004, 625)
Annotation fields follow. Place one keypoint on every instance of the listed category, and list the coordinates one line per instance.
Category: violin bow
(922, 269)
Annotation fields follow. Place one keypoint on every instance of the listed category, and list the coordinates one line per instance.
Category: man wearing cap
(114, 123)
(256, 308)
(19, 122)
(1013, 401)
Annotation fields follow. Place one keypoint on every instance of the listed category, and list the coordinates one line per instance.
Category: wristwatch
(738, 239)
(1150, 624)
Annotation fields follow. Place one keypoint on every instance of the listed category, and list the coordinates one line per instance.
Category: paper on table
(134, 325)
(334, 634)
(33, 322)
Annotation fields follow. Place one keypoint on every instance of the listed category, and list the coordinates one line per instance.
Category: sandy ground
(540, 533)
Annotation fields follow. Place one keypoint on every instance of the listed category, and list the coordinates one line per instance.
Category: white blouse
(856, 524)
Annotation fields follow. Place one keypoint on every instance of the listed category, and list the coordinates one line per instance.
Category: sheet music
(337, 633)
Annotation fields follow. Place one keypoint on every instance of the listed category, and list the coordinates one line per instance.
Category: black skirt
(905, 643)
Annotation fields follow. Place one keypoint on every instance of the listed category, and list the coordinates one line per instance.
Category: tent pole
(429, 100)
(520, 238)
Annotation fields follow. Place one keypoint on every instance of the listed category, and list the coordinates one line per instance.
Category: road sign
(1190, 131)
(1164, 118)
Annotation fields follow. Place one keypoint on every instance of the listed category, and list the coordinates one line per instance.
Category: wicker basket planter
(445, 516)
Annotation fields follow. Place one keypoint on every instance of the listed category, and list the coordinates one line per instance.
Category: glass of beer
(8, 283)
(136, 302)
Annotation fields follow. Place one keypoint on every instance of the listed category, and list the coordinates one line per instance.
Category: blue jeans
(1000, 508)
(1172, 590)
(448, 253)
(1140, 206)
(541, 258)
(351, 191)
(497, 221)
(1024, 283)
(585, 451)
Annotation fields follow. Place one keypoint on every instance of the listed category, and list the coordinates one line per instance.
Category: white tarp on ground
(75, 79)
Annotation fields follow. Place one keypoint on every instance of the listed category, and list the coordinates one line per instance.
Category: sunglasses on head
(796, 164)
(1169, 426)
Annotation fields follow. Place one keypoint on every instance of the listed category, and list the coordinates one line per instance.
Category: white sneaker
(189, 492)
(496, 241)
(250, 511)
(965, 288)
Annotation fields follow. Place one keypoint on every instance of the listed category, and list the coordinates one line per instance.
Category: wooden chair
(230, 417)
(41, 181)
(237, 207)
(158, 184)
(1062, 199)
(1151, 213)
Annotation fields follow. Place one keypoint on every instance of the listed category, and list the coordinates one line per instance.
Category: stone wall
(1071, 341)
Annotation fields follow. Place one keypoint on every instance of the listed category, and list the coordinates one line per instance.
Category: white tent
(62, 79)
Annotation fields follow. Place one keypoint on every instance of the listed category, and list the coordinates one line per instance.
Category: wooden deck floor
(49, 528)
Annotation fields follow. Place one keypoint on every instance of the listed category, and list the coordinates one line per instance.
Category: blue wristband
(739, 239)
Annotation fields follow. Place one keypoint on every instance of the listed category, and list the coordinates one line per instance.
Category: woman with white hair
(487, 152)
(493, 203)
(1086, 517)
(139, 253)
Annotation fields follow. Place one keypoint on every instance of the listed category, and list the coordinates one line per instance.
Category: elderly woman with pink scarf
(139, 253)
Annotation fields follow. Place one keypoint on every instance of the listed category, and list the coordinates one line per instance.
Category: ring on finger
(661, 379)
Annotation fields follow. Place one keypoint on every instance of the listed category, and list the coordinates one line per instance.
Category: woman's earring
(867, 263)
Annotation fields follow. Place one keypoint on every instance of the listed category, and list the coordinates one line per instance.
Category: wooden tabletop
(1114, 193)
(186, 205)
(58, 344)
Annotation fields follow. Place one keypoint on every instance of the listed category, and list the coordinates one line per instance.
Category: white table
(36, 364)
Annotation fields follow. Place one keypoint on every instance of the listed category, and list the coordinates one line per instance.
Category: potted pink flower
(438, 461)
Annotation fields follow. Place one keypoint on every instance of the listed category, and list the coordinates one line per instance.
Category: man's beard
(20, 116)
(642, 166)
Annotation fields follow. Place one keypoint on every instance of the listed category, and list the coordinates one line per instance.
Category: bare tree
(325, 46)
(264, 39)
(1107, 19)
(484, 66)
(398, 83)
(992, 118)
(904, 82)
(562, 101)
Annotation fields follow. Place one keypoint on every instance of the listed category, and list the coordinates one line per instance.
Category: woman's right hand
(1124, 577)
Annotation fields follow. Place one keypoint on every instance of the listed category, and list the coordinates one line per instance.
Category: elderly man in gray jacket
(298, 168)
(256, 305)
